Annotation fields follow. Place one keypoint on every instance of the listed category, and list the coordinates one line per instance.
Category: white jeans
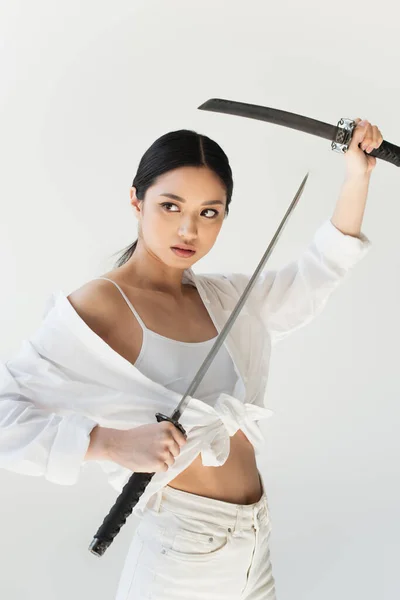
(191, 547)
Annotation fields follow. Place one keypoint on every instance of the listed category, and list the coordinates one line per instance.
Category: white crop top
(174, 364)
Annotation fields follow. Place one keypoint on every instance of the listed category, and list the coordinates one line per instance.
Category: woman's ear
(136, 204)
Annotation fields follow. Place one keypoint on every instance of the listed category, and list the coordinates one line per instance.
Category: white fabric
(65, 379)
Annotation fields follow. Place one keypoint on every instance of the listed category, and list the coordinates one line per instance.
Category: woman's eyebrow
(175, 197)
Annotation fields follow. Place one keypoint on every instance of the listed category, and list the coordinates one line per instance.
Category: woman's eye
(213, 211)
(165, 204)
(168, 204)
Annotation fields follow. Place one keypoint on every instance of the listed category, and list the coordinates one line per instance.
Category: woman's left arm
(349, 211)
(289, 298)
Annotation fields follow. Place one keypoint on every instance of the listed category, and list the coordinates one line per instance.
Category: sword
(340, 135)
(138, 482)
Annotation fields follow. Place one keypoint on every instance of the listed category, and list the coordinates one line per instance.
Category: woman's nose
(188, 228)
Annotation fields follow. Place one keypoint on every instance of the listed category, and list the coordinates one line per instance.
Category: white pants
(191, 547)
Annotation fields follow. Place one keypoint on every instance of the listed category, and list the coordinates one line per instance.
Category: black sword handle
(388, 152)
(125, 502)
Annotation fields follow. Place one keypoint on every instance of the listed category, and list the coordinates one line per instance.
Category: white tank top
(173, 364)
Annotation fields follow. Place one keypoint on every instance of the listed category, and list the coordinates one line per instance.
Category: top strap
(126, 300)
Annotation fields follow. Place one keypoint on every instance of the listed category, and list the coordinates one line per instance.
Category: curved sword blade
(271, 115)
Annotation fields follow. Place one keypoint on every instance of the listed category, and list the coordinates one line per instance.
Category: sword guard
(161, 417)
(344, 134)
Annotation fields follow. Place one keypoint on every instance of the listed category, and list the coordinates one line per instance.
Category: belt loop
(236, 527)
(155, 502)
(256, 511)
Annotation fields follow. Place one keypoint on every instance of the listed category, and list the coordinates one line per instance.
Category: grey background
(85, 88)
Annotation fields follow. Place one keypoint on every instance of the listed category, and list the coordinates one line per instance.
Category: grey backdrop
(85, 88)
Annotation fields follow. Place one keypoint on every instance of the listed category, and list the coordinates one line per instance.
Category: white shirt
(65, 379)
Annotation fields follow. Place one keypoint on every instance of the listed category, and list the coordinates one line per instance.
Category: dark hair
(176, 149)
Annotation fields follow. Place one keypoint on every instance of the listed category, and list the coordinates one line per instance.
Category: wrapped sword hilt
(125, 502)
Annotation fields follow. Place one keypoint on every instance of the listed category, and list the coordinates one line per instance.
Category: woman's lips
(183, 253)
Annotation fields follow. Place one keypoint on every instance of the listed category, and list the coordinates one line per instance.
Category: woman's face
(185, 206)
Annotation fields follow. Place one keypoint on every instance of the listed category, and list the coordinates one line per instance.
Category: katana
(340, 135)
(138, 482)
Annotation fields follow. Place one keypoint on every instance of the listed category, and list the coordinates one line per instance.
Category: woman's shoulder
(95, 302)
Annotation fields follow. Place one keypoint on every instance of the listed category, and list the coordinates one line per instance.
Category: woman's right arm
(35, 441)
(100, 443)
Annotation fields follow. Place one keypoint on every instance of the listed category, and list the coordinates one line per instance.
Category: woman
(204, 531)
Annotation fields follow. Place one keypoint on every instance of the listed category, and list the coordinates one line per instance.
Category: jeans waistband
(232, 516)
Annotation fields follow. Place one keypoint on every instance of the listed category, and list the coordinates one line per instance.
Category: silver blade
(272, 115)
(228, 325)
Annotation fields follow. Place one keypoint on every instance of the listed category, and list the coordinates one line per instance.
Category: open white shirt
(65, 379)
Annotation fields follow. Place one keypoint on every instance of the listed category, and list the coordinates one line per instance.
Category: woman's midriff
(236, 481)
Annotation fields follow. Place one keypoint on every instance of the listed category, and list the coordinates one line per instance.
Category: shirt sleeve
(35, 441)
(289, 298)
